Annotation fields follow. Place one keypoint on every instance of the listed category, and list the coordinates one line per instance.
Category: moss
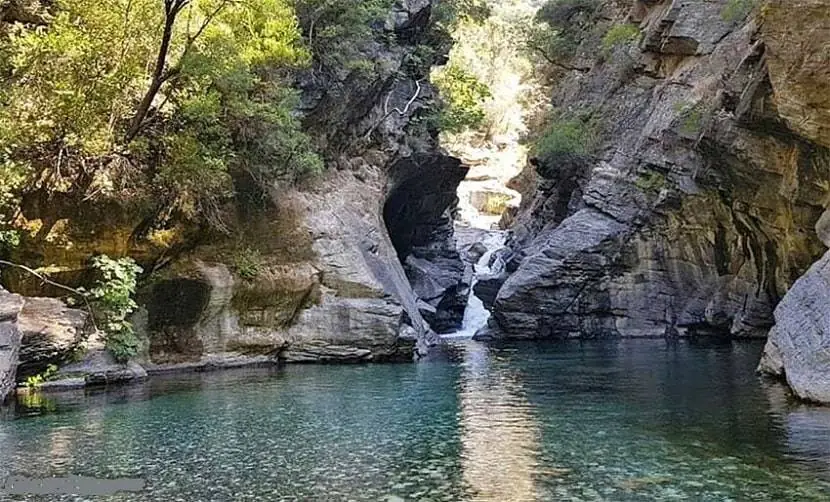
(737, 10)
(651, 182)
(692, 117)
(619, 35)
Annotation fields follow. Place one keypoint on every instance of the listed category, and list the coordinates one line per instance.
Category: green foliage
(464, 96)
(9, 239)
(224, 105)
(560, 27)
(37, 381)
(113, 300)
(564, 137)
(73, 81)
(651, 182)
(247, 263)
(737, 10)
(12, 177)
(619, 35)
(339, 31)
(448, 13)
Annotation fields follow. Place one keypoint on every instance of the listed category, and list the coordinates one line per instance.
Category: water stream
(476, 315)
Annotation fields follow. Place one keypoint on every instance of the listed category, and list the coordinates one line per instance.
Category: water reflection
(615, 422)
(499, 434)
(806, 428)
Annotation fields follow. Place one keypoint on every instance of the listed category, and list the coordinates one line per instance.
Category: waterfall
(476, 315)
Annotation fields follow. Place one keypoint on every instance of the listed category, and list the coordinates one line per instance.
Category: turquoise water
(626, 421)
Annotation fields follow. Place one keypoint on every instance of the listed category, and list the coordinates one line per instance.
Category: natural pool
(613, 421)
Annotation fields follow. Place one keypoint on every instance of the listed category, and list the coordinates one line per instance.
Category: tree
(131, 98)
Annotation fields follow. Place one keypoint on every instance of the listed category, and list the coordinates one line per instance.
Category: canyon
(693, 213)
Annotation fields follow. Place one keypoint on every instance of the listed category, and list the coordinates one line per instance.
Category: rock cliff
(694, 211)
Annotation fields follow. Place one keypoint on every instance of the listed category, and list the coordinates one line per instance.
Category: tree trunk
(171, 10)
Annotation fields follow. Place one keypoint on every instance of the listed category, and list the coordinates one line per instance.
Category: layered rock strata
(693, 213)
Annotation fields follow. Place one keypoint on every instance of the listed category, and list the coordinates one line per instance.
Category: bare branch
(55, 284)
(388, 113)
(542, 52)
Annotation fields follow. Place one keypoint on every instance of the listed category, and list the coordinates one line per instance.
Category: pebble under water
(613, 421)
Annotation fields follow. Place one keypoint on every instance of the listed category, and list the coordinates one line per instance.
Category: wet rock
(474, 252)
(487, 289)
(99, 368)
(10, 338)
(797, 346)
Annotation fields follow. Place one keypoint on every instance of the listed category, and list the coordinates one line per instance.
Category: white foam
(476, 315)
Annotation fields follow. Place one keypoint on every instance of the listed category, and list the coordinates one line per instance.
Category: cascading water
(476, 315)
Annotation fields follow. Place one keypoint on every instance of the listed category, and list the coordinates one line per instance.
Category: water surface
(615, 421)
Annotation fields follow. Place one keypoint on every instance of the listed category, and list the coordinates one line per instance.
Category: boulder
(798, 347)
(51, 331)
(98, 368)
(10, 338)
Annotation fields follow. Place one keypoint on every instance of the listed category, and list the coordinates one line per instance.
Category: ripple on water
(628, 421)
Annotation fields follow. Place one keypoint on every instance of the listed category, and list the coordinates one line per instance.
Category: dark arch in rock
(418, 213)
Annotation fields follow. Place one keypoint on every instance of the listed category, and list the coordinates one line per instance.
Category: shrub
(339, 31)
(463, 96)
(36, 381)
(619, 35)
(113, 302)
(247, 263)
(560, 27)
(564, 137)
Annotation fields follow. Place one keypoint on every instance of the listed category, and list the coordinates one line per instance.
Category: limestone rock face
(798, 347)
(339, 293)
(51, 332)
(10, 306)
(695, 211)
(797, 38)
